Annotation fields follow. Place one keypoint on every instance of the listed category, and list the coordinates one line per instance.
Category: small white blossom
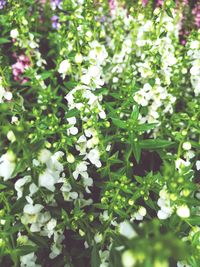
(78, 58)
(47, 180)
(81, 169)
(70, 158)
(14, 33)
(29, 260)
(11, 136)
(7, 165)
(198, 165)
(183, 211)
(186, 146)
(19, 185)
(94, 156)
(64, 67)
(127, 230)
(128, 259)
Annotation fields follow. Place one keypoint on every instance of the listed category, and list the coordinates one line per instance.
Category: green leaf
(169, 13)
(39, 240)
(20, 167)
(146, 127)
(24, 250)
(46, 74)
(135, 113)
(71, 113)
(2, 186)
(114, 158)
(4, 41)
(138, 179)
(115, 95)
(136, 151)
(18, 206)
(119, 123)
(95, 259)
(163, 34)
(195, 220)
(155, 144)
(70, 85)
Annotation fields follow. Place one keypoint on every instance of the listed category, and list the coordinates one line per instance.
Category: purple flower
(55, 4)
(2, 3)
(55, 22)
(144, 2)
(196, 13)
(159, 2)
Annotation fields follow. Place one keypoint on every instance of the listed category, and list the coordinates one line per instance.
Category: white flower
(11, 136)
(33, 216)
(7, 165)
(142, 211)
(87, 181)
(198, 165)
(98, 53)
(28, 260)
(49, 227)
(14, 33)
(162, 215)
(140, 99)
(147, 87)
(72, 120)
(32, 209)
(35, 162)
(183, 211)
(64, 67)
(19, 185)
(128, 259)
(78, 58)
(86, 79)
(115, 79)
(194, 44)
(56, 248)
(93, 74)
(81, 169)
(14, 119)
(52, 161)
(104, 216)
(4, 94)
(180, 163)
(70, 158)
(98, 238)
(164, 204)
(94, 156)
(182, 264)
(195, 70)
(139, 214)
(44, 155)
(92, 142)
(94, 71)
(72, 130)
(186, 146)
(104, 256)
(126, 230)
(73, 195)
(33, 189)
(47, 180)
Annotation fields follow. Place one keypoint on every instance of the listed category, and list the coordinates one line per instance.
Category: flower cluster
(99, 162)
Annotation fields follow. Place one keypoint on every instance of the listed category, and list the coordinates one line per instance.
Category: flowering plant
(100, 136)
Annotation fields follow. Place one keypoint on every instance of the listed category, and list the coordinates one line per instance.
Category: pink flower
(145, 2)
(112, 5)
(196, 13)
(19, 67)
(159, 2)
